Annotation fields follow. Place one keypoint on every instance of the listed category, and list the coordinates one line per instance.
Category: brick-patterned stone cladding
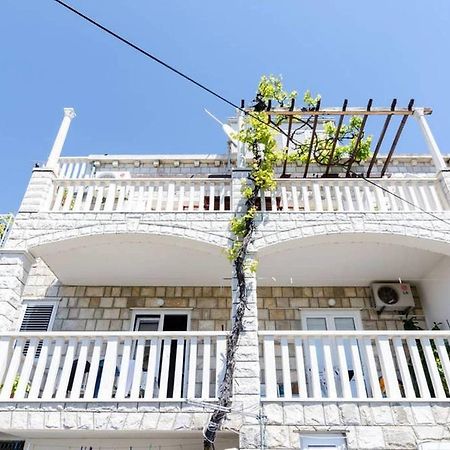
(280, 307)
(88, 308)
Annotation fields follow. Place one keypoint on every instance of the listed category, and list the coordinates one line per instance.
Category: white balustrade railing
(141, 195)
(352, 194)
(355, 365)
(111, 367)
(73, 167)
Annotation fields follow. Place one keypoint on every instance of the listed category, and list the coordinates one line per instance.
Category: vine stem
(239, 264)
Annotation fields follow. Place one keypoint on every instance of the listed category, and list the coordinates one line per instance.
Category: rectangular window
(323, 442)
(38, 316)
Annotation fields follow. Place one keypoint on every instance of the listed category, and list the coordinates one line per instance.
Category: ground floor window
(12, 445)
(322, 442)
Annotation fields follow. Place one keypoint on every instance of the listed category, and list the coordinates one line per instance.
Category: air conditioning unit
(392, 296)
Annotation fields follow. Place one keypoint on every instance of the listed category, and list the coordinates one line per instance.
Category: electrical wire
(222, 98)
(166, 65)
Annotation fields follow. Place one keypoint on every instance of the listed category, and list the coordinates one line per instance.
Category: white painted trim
(325, 440)
(332, 313)
(160, 312)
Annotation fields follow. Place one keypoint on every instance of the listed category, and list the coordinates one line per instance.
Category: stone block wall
(280, 307)
(366, 426)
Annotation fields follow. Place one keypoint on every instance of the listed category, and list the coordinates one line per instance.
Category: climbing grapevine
(259, 134)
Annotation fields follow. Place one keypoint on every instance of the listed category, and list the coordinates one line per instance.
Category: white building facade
(116, 298)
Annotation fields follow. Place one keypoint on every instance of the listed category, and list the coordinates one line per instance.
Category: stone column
(55, 153)
(39, 193)
(14, 268)
(237, 201)
(247, 383)
(419, 115)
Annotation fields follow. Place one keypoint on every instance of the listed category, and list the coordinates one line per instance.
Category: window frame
(330, 314)
(136, 312)
(323, 439)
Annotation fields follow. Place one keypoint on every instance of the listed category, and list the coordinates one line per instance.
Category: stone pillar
(55, 153)
(39, 192)
(237, 201)
(247, 383)
(419, 115)
(14, 268)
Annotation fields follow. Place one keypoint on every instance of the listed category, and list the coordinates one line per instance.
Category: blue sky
(126, 103)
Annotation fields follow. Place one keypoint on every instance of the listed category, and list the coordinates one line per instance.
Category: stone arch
(399, 234)
(216, 239)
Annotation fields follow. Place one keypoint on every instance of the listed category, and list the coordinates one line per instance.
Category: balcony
(111, 367)
(214, 194)
(360, 366)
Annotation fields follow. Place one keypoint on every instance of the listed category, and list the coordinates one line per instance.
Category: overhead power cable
(217, 95)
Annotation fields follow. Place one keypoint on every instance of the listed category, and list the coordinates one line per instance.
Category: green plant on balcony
(15, 385)
(412, 324)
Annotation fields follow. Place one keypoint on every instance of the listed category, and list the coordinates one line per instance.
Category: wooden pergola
(309, 117)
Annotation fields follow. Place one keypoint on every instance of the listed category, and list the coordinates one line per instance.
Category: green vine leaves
(259, 134)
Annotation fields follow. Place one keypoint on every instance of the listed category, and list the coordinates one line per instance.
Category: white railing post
(438, 160)
(55, 153)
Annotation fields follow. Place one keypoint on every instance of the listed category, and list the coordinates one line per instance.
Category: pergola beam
(348, 112)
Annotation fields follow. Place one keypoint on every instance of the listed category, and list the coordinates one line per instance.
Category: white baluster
(343, 369)
(286, 370)
(159, 198)
(418, 369)
(5, 344)
(284, 199)
(61, 392)
(369, 199)
(295, 198)
(348, 199)
(329, 369)
(151, 368)
(372, 369)
(137, 373)
(221, 359)
(110, 197)
(211, 196)
(93, 370)
(24, 375)
(68, 205)
(432, 368)
(388, 367)
(13, 369)
(57, 206)
(359, 197)
(357, 368)
(80, 370)
(206, 367)
(50, 382)
(305, 197)
(179, 363)
(338, 194)
(222, 198)
(122, 383)
(314, 367)
(300, 366)
(165, 368)
(88, 199)
(403, 367)
(443, 356)
(98, 198)
(328, 198)
(109, 369)
(35, 388)
(392, 198)
(317, 197)
(181, 198)
(435, 197)
(381, 199)
(192, 198)
(201, 200)
(403, 205)
(121, 197)
(192, 367)
(424, 194)
(150, 195)
(412, 193)
(270, 375)
(170, 196)
(78, 198)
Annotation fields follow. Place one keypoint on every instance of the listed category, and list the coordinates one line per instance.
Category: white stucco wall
(435, 294)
